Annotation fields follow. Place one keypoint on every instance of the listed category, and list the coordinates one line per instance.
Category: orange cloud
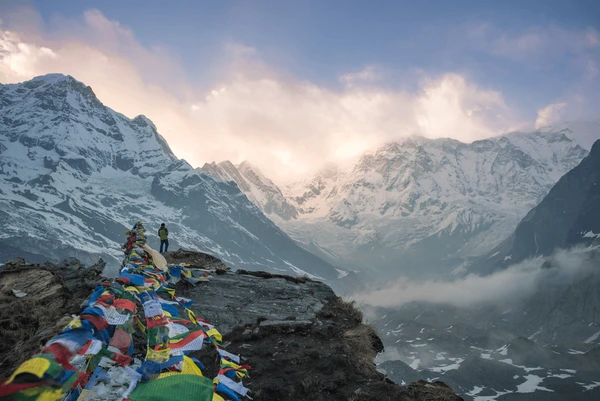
(285, 126)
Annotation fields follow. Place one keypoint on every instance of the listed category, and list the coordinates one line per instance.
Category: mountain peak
(246, 164)
(246, 168)
(57, 86)
(53, 78)
(585, 133)
(60, 117)
(225, 164)
(259, 189)
(142, 120)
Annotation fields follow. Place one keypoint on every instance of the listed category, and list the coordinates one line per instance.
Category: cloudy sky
(289, 85)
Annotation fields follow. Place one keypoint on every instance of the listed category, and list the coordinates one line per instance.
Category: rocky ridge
(37, 301)
(252, 182)
(302, 341)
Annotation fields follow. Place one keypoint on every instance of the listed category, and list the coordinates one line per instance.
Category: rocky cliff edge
(303, 342)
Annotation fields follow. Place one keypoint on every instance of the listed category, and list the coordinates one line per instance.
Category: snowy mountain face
(567, 216)
(541, 342)
(423, 204)
(74, 175)
(259, 189)
(584, 132)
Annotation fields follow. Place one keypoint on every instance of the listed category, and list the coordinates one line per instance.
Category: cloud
(286, 126)
(519, 45)
(455, 108)
(592, 69)
(548, 41)
(19, 59)
(540, 47)
(592, 37)
(510, 285)
(567, 60)
(550, 114)
(367, 74)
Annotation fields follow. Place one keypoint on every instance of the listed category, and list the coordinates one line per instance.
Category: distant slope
(423, 206)
(568, 215)
(417, 206)
(259, 189)
(584, 132)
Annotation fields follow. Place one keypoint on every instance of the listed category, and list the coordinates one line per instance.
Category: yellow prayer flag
(35, 366)
(215, 333)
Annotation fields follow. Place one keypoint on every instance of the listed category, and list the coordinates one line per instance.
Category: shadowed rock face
(302, 341)
(567, 216)
(53, 293)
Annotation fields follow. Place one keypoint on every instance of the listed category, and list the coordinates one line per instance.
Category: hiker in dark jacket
(163, 234)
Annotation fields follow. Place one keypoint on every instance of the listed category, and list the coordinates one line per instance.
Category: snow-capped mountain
(584, 132)
(74, 175)
(259, 189)
(420, 204)
(568, 215)
(541, 342)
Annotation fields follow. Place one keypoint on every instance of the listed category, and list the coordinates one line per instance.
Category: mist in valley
(496, 335)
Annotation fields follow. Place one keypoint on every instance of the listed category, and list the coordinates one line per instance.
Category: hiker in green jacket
(163, 234)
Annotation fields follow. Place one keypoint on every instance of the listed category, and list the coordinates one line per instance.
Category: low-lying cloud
(507, 286)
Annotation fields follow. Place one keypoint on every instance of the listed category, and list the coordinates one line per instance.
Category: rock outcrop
(36, 302)
(303, 342)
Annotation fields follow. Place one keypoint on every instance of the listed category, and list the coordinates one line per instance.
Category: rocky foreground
(302, 341)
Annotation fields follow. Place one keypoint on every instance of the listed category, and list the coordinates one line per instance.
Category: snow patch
(445, 368)
(503, 350)
(531, 384)
(561, 376)
(589, 387)
(592, 338)
(575, 352)
(525, 368)
(342, 273)
(591, 234)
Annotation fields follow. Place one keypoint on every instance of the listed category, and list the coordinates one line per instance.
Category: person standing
(163, 234)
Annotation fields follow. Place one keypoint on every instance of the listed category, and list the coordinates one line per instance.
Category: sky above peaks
(289, 85)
